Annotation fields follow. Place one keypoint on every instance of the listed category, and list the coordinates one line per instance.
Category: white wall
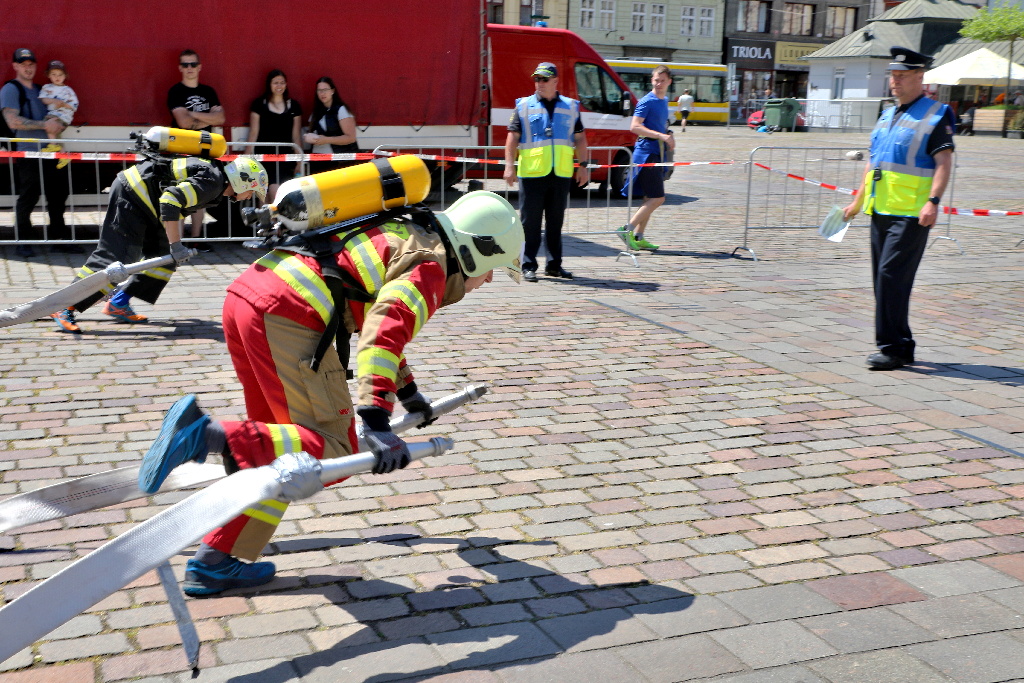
(865, 77)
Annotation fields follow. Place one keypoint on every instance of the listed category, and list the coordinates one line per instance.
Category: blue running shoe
(182, 438)
(208, 579)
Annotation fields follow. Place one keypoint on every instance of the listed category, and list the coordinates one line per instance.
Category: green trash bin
(773, 113)
(781, 114)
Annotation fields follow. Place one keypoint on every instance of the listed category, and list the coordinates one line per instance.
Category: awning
(981, 67)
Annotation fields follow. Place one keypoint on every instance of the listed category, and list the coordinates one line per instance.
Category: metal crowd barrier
(490, 176)
(778, 201)
(89, 191)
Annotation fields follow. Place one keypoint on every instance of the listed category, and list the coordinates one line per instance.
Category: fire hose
(104, 489)
(63, 298)
(152, 543)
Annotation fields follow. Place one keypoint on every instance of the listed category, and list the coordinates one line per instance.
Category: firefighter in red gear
(275, 317)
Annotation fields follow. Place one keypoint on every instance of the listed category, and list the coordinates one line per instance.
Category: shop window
(840, 21)
(752, 16)
(707, 22)
(496, 12)
(639, 24)
(587, 13)
(657, 18)
(797, 19)
(606, 15)
(838, 83)
(689, 25)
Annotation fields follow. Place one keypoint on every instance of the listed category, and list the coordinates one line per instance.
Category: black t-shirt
(201, 98)
(515, 126)
(275, 127)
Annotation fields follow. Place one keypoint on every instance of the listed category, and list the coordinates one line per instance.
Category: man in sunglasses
(194, 106)
(547, 131)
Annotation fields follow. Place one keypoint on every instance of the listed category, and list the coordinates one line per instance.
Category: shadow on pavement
(565, 614)
(1013, 377)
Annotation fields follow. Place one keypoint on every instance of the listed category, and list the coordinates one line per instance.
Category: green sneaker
(625, 234)
(641, 243)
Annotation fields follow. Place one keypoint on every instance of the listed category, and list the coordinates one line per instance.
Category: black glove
(180, 253)
(418, 403)
(391, 451)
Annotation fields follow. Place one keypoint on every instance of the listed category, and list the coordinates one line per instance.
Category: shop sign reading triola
(752, 54)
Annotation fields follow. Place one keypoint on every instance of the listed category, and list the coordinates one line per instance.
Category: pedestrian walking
(654, 143)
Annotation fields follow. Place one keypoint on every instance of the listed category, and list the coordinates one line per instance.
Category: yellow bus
(707, 84)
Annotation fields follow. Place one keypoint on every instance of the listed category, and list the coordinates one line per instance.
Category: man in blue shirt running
(650, 125)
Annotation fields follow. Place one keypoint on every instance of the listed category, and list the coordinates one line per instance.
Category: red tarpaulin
(399, 62)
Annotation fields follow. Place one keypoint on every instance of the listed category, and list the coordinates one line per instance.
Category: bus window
(709, 89)
(598, 91)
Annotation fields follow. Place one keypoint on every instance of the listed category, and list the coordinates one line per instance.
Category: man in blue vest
(911, 160)
(547, 131)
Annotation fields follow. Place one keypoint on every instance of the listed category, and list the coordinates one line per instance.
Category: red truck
(415, 74)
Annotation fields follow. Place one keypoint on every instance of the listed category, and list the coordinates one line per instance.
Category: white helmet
(485, 231)
(245, 173)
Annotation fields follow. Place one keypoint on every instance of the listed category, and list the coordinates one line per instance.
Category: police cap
(905, 59)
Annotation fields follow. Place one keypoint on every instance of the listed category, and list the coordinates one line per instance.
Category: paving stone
(1008, 564)
(683, 616)
(240, 650)
(778, 603)
(83, 647)
(481, 647)
(775, 644)
(866, 590)
(381, 662)
(588, 666)
(1011, 597)
(596, 630)
(961, 615)
(881, 665)
(868, 629)
(679, 659)
(974, 659)
(955, 578)
(780, 674)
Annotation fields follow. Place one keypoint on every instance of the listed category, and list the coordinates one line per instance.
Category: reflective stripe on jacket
(192, 184)
(900, 151)
(399, 264)
(546, 142)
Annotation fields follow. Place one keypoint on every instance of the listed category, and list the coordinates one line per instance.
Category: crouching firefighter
(382, 280)
(147, 201)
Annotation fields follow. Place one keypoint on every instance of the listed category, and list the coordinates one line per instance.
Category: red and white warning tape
(808, 180)
(945, 209)
(351, 156)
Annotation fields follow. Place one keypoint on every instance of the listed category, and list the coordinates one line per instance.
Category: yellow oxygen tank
(198, 143)
(335, 196)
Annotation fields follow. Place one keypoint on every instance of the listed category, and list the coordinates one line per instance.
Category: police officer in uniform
(911, 160)
(547, 129)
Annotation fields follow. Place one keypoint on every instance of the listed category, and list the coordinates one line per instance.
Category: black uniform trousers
(31, 183)
(543, 198)
(129, 234)
(897, 245)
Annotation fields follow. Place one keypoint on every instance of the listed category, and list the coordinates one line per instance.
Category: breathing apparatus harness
(317, 243)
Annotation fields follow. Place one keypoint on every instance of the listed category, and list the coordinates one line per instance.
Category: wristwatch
(934, 200)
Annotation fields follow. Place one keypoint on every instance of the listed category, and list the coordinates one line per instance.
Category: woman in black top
(332, 127)
(274, 117)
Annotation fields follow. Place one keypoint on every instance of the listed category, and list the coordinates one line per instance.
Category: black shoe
(25, 250)
(201, 247)
(529, 275)
(557, 271)
(885, 361)
(67, 249)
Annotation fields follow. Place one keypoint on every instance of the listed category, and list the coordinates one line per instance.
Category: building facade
(670, 30)
(766, 40)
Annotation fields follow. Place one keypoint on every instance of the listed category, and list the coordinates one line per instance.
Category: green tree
(997, 24)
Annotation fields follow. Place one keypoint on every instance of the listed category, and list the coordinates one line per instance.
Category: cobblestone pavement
(683, 470)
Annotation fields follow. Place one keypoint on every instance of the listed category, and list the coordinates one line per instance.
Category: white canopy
(981, 67)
